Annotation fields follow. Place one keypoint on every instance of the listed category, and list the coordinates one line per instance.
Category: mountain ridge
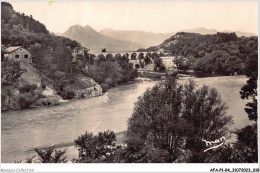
(96, 41)
(129, 40)
(144, 38)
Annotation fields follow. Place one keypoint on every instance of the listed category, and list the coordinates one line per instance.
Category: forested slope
(222, 53)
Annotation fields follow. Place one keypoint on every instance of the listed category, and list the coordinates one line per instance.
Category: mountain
(145, 39)
(127, 40)
(205, 31)
(95, 41)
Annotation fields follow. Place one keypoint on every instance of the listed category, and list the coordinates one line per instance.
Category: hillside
(24, 83)
(221, 53)
(31, 76)
(144, 39)
(95, 41)
(10, 17)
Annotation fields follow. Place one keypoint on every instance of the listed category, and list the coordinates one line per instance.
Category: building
(79, 51)
(18, 53)
(168, 61)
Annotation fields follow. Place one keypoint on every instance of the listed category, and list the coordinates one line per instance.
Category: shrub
(68, 95)
(105, 87)
(24, 103)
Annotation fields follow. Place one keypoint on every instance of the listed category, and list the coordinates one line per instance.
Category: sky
(159, 17)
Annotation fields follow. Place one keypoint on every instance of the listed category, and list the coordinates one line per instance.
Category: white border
(129, 167)
(94, 167)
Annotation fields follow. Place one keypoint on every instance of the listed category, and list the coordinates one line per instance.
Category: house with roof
(18, 53)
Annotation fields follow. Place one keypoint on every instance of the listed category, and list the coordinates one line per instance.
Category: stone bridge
(122, 53)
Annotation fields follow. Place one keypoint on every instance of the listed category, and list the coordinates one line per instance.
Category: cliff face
(89, 87)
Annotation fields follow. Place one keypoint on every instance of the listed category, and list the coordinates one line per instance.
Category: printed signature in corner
(214, 144)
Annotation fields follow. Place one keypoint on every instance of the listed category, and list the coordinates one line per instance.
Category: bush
(105, 87)
(162, 68)
(27, 99)
(68, 95)
(24, 103)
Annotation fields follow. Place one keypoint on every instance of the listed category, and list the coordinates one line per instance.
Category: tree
(133, 56)
(141, 56)
(157, 61)
(106, 72)
(171, 118)
(10, 77)
(250, 89)
(147, 60)
(101, 58)
(10, 72)
(162, 68)
(141, 64)
(181, 63)
(205, 116)
(109, 57)
(155, 55)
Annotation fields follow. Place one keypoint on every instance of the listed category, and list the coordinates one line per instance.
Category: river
(24, 130)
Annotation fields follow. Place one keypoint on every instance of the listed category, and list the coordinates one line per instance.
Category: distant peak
(88, 27)
(75, 27)
(78, 26)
